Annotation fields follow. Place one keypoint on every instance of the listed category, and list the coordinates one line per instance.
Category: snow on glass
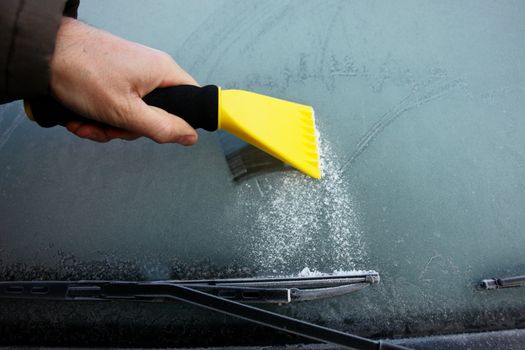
(301, 222)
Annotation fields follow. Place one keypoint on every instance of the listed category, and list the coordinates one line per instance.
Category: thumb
(160, 126)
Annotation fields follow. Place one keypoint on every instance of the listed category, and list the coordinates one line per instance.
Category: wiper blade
(297, 288)
(250, 290)
(507, 282)
(127, 290)
(115, 290)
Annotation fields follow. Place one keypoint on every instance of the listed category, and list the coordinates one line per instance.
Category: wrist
(69, 41)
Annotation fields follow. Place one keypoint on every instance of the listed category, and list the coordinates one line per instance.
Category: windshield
(419, 106)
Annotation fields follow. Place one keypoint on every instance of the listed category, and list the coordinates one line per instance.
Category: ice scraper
(283, 129)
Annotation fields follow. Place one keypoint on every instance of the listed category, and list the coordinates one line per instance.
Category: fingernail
(187, 140)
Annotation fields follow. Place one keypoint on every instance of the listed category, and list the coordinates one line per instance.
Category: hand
(104, 78)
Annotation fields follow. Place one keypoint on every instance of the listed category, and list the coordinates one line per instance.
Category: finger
(87, 130)
(159, 125)
(92, 132)
(100, 133)
(116, 133)
(73, 125)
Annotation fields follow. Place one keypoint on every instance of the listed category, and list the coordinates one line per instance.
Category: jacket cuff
(32, 45)
(71, 8)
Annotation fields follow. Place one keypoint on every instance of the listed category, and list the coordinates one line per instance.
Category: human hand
(104, 77)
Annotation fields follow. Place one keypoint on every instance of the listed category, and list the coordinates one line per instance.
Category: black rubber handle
(196, 105)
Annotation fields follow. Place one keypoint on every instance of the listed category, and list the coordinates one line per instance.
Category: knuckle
(164, 58)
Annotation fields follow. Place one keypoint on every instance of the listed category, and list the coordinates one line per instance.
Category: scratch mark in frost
(408, 103)
(6, 134)
(428, 264)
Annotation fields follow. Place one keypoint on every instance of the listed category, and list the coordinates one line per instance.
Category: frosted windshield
(420, 110)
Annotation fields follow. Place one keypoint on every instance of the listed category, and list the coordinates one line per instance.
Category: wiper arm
(250, 290)
(508, 282)
(166, 290)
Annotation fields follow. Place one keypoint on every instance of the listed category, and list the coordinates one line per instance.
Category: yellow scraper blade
(284, 129)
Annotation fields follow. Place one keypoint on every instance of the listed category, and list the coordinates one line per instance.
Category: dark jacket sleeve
(28, 31)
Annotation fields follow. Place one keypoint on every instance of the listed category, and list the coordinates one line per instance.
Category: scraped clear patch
(296, 221)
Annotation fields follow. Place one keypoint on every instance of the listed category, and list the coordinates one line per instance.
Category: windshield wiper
(280, 290)
(191, 292)
(507, 282)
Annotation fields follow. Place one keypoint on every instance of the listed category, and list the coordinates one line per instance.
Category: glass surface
(419, 105)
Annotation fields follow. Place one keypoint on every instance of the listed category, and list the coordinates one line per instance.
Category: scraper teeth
(305, 115)
(313, 162)
(310, 139)
(305, 110)
(308, 126)
(310, 143)
(308, 130)
(311, 155)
